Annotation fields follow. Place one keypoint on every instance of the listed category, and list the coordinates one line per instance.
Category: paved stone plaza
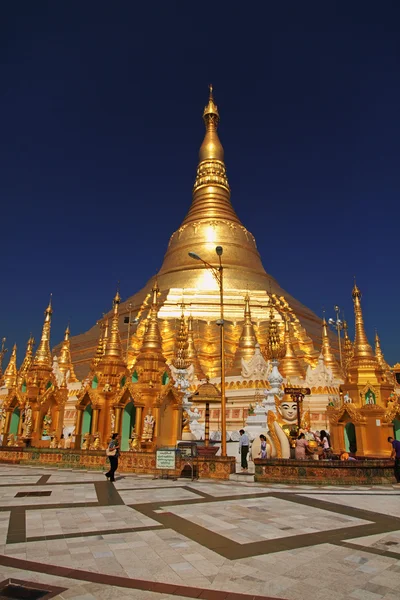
(157, 539)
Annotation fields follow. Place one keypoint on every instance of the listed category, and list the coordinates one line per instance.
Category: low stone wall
(324, 472)
(217, 467)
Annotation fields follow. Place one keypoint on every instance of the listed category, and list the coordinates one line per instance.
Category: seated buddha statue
(280, 425)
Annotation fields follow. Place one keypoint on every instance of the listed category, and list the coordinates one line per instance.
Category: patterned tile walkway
(148, 539)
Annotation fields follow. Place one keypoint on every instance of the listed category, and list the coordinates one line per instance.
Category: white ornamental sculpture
(275, 381)
(321, 376)
(257, 367)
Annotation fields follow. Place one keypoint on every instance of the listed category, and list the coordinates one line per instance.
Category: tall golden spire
(192, 352)
(363, 353)
(27, 362)
(347, 347)
(379, 354)
(65, 361)
(329, 358)
(113, 347)
(290, 365)
(211, 192)
(247, 341)
(180, 359)
(100, 346)
(10, 374)
(274, 349)
(43, 358)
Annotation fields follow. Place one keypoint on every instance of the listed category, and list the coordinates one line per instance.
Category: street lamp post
(338, 324)
(218, 273)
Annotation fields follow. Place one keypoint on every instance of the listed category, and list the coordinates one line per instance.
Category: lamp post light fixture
(337, 323)
(218, 274)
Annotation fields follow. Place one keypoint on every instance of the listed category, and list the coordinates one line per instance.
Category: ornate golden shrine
(369, 406)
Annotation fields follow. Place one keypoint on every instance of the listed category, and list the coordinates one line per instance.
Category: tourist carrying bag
(112, 452)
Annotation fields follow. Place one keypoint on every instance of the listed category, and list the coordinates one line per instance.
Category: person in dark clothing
(244, 443)
(113, 453)
(396, 455)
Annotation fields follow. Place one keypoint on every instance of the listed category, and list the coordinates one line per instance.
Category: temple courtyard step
(242, 477)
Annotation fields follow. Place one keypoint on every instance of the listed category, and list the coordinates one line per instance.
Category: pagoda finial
(290, 365)
(379, 354)
(247, 341)
(43, 354)
(10, 374)
(65, 360)
(113, 347)
(362, 349)
(274, 349)
(100, 346)
(180, 359)
(347, 347)
(329, 358)
(152, 337)
(192, 352)
(27, 362)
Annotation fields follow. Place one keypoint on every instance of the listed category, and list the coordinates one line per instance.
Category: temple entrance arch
(128, 423)
(396, 429)
(350, 439)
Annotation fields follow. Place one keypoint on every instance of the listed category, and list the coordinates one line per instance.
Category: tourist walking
(396, 455)
(113, 453)
(244, 443)
(301, 446)
(263, 451)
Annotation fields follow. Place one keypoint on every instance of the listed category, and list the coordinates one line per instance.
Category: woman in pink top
(301, 445)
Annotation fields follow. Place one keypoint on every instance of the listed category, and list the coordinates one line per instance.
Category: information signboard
(165, 459)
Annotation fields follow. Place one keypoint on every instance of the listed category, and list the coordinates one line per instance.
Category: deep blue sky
(101, 106)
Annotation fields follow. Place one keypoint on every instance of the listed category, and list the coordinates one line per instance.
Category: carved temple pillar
(138, 421)
(78, 428)
(118, 414)
(95, 421)
(158, 424)
(19, 430)
(7, 426)
(177, 425)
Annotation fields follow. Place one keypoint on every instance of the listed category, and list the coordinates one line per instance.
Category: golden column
(218, 274)
(78, 428)
(95, 420)
(138, 420)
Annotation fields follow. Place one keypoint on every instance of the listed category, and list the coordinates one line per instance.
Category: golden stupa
(211, 221)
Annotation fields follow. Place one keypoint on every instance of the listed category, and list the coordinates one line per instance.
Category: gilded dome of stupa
(211, 221)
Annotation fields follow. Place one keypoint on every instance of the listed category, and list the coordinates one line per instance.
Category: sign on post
(165, 459)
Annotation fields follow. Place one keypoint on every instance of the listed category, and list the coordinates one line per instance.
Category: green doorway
(350, 438)
(128, 421)
(396, 428)
(86, 420)
(14, 421)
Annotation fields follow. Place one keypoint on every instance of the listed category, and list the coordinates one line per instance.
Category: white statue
(275, 381)
(257, 367)
(347, 399)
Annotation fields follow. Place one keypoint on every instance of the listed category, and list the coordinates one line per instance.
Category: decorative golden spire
(105, 336)
(363, 352)
(65, 361)
(43, 358)
(290, 366)
(113, 348)
(347, 347)
(27, 362)
(329, 358)
(211, 192)
(192, 352)
(100, 346)
(152, 337)
(274, 349)
(180, 359)
(247, 341)
(379, 354)
(11, 373)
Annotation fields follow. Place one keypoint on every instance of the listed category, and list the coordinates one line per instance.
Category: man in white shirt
(244, 443)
